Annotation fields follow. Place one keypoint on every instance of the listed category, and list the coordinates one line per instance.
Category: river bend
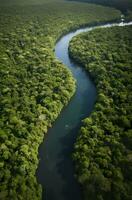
(55, 172)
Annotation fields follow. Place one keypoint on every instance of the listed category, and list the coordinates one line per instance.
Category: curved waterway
(55, 172)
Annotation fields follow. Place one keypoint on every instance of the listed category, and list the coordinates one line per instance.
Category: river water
(55, 171)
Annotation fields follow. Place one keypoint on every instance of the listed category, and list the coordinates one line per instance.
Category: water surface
(55, 172)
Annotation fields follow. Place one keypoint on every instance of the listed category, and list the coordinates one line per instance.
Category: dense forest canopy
(123, 5)
(103, 151)
(34, 86)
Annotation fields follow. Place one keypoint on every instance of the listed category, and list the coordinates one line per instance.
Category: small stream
(55, 171)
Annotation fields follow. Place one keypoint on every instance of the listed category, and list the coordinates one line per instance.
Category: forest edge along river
(55, 171)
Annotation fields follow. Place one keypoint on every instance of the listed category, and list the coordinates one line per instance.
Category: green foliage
(103, 150)
(34, 86)
(123, 5)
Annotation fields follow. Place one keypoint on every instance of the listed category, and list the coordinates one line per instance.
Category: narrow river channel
(55, 171)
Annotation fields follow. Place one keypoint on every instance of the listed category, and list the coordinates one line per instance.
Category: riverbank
(34, 85)
(57, 147)
(103, 148)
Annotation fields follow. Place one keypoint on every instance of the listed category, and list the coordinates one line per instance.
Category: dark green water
(55, 172)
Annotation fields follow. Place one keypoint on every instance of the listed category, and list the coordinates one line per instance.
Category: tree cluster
(34, 86)
(123, 5)
(103, 150)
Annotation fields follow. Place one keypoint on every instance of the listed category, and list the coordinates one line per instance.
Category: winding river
(55, 172)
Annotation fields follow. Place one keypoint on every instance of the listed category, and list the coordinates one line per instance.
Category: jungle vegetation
(103, 150)
(34, 86)
(122, 5)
